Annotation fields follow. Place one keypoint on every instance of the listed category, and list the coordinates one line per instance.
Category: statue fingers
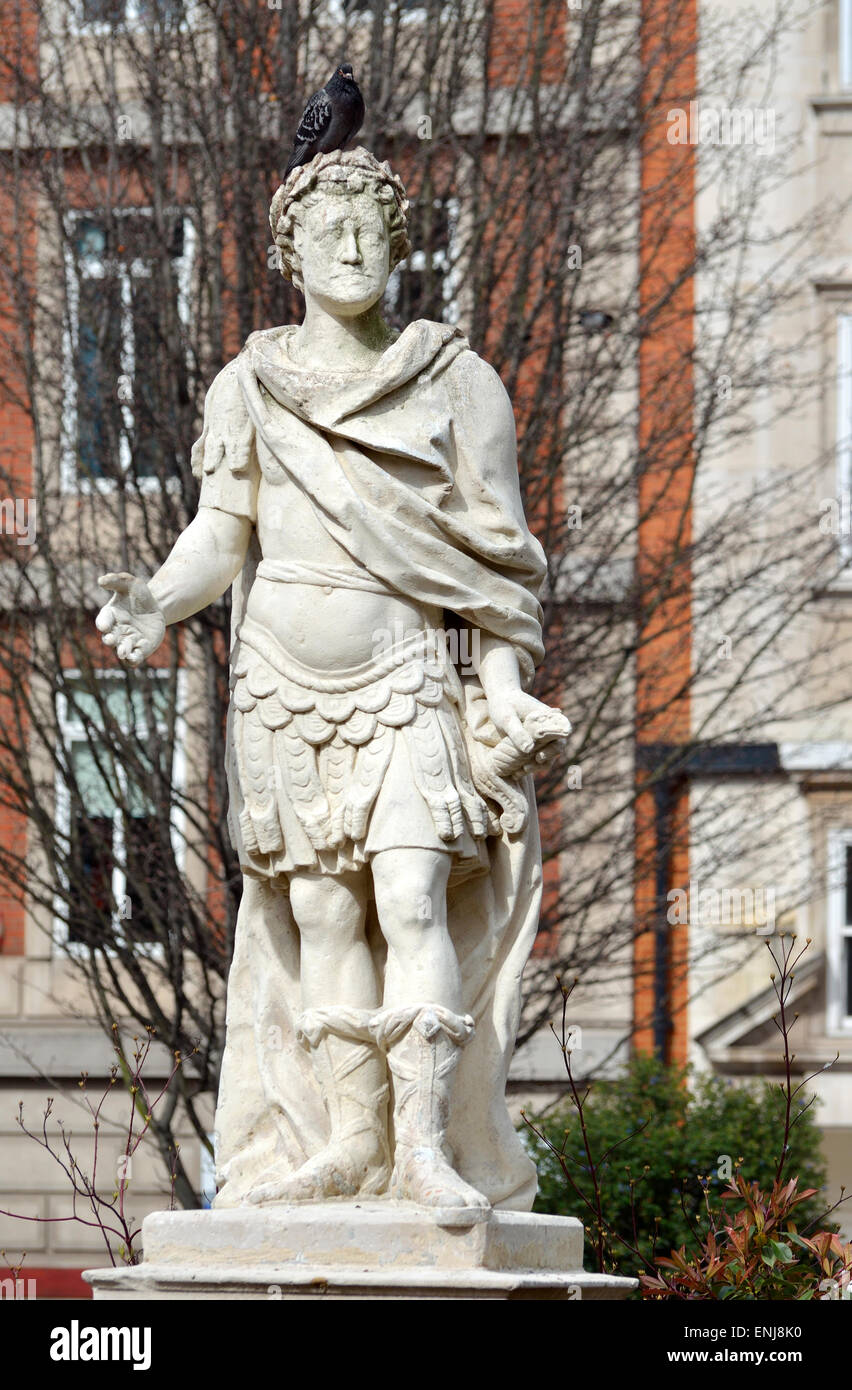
(515, 730)
(106, 619)
(127, 644)
(119, 581)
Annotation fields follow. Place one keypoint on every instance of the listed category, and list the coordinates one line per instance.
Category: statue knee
(410, 888)
(324, 907)
(409, 913)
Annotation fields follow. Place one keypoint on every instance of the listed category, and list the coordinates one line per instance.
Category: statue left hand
(532, 735)
(510, 709)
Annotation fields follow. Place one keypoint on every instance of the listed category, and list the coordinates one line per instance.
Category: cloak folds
(411, 468)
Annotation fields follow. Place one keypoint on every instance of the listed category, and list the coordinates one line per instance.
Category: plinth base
(366, 1250)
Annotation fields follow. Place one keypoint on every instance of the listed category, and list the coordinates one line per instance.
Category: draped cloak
(411, 467)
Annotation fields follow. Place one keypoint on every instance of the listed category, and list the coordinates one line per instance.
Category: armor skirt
(332, 767)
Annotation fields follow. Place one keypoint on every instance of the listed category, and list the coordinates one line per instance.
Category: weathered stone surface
(365, 1250)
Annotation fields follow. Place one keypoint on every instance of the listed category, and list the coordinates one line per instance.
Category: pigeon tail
(297, 158)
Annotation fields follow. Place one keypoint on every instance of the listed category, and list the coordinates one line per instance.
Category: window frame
(72, 479)
(73, 730)
(446, 262)
(133, 21)
(340, 14)
(843, 420)
(844, 43)
(838, 1022)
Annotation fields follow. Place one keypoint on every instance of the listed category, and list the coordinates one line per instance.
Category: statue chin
(336, 301)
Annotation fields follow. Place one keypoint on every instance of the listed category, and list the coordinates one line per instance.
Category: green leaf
(783, 1252)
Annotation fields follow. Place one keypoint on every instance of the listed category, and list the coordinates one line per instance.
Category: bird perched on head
(330, 119)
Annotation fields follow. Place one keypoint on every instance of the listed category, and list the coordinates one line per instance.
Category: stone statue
(359, 490)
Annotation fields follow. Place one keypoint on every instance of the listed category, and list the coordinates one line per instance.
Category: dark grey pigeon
(332, 116)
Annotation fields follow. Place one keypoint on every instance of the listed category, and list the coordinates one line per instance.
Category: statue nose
(349, 252)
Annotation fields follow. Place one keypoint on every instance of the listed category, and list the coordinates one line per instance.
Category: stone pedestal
(361, 1250)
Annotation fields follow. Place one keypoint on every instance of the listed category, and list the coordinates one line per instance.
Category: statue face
(344, 253)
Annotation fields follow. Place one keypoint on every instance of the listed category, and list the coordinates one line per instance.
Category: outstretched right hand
(132, 621)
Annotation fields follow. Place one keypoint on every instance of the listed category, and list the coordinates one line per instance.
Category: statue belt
(338, 576)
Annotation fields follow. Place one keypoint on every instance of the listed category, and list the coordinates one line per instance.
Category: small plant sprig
(605, 1239)
(107, 1211)
(13, 1267)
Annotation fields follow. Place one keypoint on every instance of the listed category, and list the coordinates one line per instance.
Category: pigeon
(332, 116)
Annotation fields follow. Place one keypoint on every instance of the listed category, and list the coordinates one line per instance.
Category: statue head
(340, 224)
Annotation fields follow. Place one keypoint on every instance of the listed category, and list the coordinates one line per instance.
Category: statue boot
(423, 1045)
(353, 1079)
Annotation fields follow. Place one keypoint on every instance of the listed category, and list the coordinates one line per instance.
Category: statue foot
(339, 1170)
(424, 1176)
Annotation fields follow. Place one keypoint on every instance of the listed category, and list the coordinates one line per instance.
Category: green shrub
(680, 1127)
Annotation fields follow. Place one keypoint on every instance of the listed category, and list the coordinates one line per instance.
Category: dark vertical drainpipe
(664, 799)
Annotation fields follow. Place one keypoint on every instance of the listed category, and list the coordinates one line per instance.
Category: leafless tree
(141, 143)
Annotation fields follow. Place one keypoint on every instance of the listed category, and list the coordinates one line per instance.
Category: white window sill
(839, 100)
(83, 486)
(839, 1030)
(79, 950)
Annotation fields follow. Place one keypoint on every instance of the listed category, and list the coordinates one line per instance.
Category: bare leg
(411, 901)
(336, 965)
(339, 993)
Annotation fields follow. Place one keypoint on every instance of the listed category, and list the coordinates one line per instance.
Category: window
(839, 954)
(359, 7)
(110, 14)
(109, 836)
(845, 40)
(127, 289)
(425, 287)
(844, 415)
